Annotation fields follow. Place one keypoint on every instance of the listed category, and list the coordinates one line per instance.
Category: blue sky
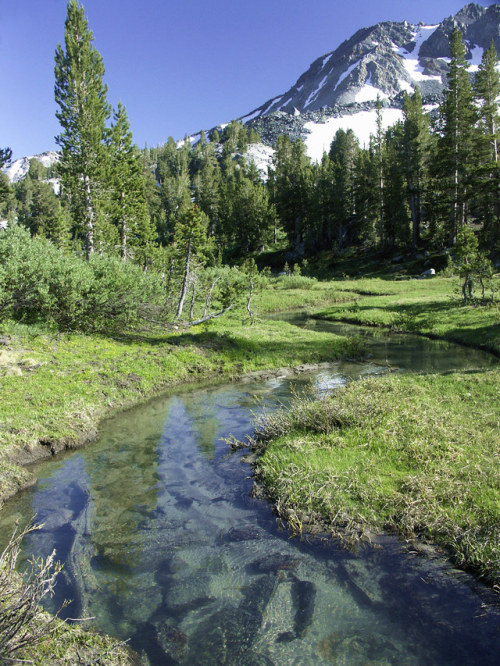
(178, 66)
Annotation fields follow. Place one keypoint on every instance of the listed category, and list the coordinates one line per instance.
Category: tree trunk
(89, 220)
(250, 313)
(185, 282)
(123, 232)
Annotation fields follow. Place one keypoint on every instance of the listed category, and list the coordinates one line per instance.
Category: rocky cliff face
(340, 89)
(385, 61)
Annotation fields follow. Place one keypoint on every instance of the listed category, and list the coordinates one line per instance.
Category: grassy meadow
(416, 455)
(411, 454)
(56, 387)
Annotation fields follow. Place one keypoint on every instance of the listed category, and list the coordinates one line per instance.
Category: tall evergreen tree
(366, 193)
(344, 150)
(487, 176)
(190, 245)
(454, 161)
(377, 149)
(83, 112)
(396, 211)
(416, 151)
(291, 186)
(321, 230)
(40, 210)
(175, 184)
(247, 214)
(128, 208)
(5, 157)
(207, 186)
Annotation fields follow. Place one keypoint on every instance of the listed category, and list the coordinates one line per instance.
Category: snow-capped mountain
(19, 168)
(340, 89)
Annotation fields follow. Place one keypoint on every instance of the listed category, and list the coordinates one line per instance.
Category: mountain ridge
(385, 60)
(339, 90)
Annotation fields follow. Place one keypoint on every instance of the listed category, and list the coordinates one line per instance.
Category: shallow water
(164, 545)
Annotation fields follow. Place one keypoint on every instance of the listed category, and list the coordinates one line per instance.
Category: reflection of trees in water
(111, 533)
(128, 471)
(204, 420)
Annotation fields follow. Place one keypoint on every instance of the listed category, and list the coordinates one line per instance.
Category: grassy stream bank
(417, 455)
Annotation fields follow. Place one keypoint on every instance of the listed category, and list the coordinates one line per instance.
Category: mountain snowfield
(19, 168)
(363, 124)
(340, 89)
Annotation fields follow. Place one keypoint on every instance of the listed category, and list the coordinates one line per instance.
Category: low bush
(39, 283)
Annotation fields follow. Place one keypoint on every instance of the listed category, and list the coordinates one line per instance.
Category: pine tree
(40, 210)
(455, 146)
(207, 186)
(5, 157)
(366, 196)
(344, 150)
(487, 175)
(416, 153)
(172, 174)
(396, 210)
(291, 186)
(128, 208)
(377, 149)
(190, 244)
(323, 207)
(83, 112)
(247, 213)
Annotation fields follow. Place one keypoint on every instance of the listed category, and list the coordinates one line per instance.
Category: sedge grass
(417, 455)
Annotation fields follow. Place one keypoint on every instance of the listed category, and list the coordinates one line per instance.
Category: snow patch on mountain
(345, 74)
(411, 60)
(19, 168)
(261, 155)
(315, 93)
(369, 92)
(362, 124)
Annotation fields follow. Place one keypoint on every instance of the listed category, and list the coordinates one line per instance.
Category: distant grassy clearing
(430, 307)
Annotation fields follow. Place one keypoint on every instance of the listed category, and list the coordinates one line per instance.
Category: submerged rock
(358, 649)
(244, 533)
(303, 598)
(303, 594)
(227, 636)
(274, 562)
(172, 640)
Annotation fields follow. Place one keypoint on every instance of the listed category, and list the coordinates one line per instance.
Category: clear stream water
(164, 545)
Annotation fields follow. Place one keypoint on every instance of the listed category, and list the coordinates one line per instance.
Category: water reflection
(163, 544)
(406, 352)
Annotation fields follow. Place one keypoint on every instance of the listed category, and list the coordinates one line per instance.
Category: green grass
(417, 455)
(429, 307)
(55, 389)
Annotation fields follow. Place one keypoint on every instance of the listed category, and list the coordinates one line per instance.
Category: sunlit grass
(415, 454)
(429, 307)
(55, 388)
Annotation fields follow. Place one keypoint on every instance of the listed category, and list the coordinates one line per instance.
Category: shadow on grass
(143, 338)
(408, 309)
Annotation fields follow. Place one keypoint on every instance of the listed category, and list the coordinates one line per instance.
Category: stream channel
(163, 544)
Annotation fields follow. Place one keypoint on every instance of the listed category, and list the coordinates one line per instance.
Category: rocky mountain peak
(385, 60)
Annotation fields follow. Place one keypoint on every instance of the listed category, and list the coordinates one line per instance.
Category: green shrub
(39, 283)
(295, 281)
